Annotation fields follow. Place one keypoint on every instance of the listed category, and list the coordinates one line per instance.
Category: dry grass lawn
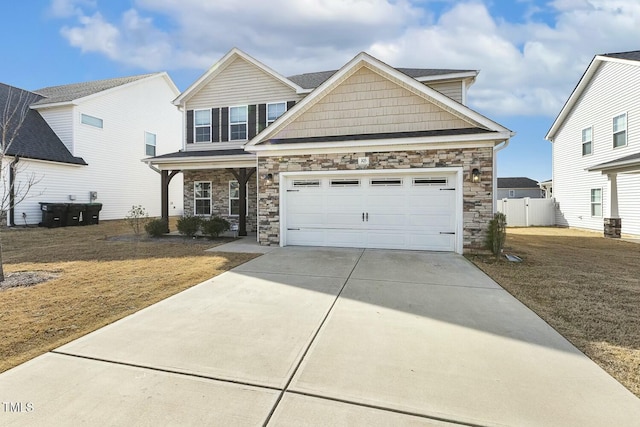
(100, 280)
(585, 286)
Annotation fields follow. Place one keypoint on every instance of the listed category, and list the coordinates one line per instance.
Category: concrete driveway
(310, 336)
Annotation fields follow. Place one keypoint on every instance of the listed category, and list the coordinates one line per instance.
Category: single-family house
(364, 156)
(596, 148)
(84, 142)
(518, 188)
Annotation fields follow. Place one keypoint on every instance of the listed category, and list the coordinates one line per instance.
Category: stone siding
(219, 194)
(477, 197)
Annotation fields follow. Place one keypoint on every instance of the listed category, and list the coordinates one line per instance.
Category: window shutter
(215, 125)
(290, 104)
(251, 120)
(224, 124)
(189, 127)
(262, 117)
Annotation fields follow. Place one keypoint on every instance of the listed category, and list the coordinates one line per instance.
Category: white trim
(360, 60)
(444, 77)
(219, 66)
(202, 198)
(458, 171)
(626, 133)
(155, 143)
(591, 203)
(246, 124)
(266, 108)
(27, 159)
(195, 126)
(395, 144)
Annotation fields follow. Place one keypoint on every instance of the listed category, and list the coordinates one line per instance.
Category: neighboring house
(365, 156)
(547, 188)
(518, 188)
(91, 137)
(596, 148)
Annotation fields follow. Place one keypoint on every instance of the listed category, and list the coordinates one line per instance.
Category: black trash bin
(73, 214)
(53, 214)
(91, 213)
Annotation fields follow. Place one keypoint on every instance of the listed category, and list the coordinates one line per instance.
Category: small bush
(156, 227)
(137, 218)
(215, 226)
(189, 225)
(497, 234)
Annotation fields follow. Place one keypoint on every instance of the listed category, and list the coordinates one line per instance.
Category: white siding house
(110, 126)
(596, 147)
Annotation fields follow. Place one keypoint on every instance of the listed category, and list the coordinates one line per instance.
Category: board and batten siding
(114, 153)
(614, 89)
(241, 83)
(451, 89)
(60, 120)
(366, 103)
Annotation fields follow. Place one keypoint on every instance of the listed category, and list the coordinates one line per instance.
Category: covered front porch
(216, 183)
(625, 165)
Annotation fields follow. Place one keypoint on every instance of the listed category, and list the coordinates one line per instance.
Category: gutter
(12, 195)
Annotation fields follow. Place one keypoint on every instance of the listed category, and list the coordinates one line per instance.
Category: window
(596, 202)
(512, 193)
(234, 198)
(620, 130)
(202, 122)
(345, 183)
(429, 181)
(237, 123)
(385, 182)
(587, 138)
(91, 121)
(306, 183)
(274, 111)
(202, 197)
(149, 144)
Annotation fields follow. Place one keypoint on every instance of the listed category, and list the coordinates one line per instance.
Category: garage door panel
(403, 216)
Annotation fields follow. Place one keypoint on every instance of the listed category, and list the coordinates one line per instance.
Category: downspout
(12, 195)
(497, 148)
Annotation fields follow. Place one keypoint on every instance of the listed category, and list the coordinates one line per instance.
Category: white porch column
(613, 224)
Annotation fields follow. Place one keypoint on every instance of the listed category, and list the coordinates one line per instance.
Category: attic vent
(386, 182)
(429, 181)
(345, 182)
(306, 183)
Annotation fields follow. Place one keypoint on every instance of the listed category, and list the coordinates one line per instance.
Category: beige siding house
(365, 156)
(596, 148)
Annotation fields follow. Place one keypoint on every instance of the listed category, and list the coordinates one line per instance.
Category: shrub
(497, 234)
(214, 226)
(189, 225)
(137, 219)
(156, 227)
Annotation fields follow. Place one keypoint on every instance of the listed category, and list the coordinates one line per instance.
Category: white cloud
(66, 8)
(528, 67)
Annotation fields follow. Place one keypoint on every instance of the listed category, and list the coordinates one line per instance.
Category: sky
(530, 53)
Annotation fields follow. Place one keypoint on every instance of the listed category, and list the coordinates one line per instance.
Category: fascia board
(445, 77)
(387, 144)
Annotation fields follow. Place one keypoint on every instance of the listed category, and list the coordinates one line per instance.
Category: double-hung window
(202, 197)
(149, 144)
(238, 123)
(275, 110)
(234, 198)
(587, 141)
(596, 202)
(202, 125)
(620, 130)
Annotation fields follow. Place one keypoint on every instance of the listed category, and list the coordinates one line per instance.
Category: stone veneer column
(613, 225)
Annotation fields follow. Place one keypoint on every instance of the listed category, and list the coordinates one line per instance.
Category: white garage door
(390, 211)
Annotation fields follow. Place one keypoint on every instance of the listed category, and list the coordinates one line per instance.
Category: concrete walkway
(317, 336)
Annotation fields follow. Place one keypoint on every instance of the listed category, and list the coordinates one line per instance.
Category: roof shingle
(517, 182)
(34, 138)
(633, 55)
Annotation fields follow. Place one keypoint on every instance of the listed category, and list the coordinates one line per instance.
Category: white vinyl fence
(528, 212)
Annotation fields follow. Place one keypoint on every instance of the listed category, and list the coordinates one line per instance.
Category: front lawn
(585, 286)
(99, 277)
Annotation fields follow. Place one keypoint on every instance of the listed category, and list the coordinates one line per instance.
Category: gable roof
(65, 94)
(631, 57)
(313, 80)
(221, 65)
(34, 139)
(517, 182)
(362, 59)
(630, 163)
